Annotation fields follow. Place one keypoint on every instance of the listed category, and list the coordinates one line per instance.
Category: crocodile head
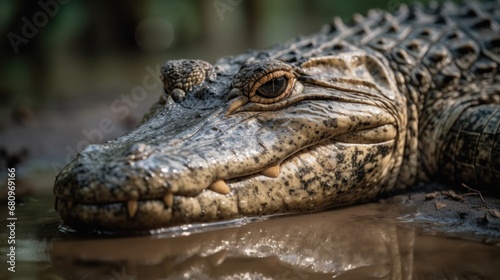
(245, 137)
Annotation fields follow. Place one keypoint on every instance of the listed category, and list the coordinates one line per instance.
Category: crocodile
(346, 115)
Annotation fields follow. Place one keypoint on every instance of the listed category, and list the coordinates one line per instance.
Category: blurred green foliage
(89, 47)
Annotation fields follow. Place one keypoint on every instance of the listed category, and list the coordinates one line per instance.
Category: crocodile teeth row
(218, 186)
(132, 205)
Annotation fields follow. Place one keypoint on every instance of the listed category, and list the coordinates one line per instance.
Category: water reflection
(313, 246)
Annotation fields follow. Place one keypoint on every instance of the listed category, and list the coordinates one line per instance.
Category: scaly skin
(338, 117)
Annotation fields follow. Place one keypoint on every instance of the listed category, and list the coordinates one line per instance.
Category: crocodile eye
(264, 82)
(273, 88)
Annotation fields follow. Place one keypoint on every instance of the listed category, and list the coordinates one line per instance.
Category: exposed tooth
(168, 199)
(132, 208)
(220, 187)
(273, 171)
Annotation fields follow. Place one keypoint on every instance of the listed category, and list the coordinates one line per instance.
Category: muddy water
(349, 243)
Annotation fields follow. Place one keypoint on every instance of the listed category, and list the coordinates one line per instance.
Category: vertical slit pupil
(272, 88)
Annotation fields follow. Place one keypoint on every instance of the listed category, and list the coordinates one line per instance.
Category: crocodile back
(445, 58)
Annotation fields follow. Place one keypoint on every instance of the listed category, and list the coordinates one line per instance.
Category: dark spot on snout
(360, 173)
(340, 158)
(383, 150)
(331, 123)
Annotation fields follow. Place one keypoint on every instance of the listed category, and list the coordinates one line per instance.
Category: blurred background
(76, 72)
